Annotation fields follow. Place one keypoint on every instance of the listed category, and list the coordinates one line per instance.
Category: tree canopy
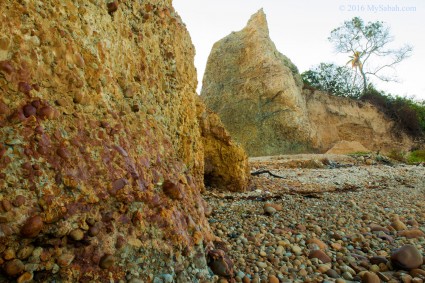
(368, 48)
(338, 80)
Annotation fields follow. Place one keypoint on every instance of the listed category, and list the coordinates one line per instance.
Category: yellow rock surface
(97, 113)
(226, 163)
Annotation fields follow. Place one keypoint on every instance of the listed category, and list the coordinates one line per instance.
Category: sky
(300, 30)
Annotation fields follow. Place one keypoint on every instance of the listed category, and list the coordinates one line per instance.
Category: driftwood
(259, 172)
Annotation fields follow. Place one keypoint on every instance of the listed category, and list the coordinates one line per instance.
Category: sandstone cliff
(101, 154)
(258, 94)
(335, 119)
(256, 91)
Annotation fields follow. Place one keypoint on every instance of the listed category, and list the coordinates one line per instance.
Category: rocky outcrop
(258, 94)
(334, 119)
(226, 163)
(101, 154)
(256, 91)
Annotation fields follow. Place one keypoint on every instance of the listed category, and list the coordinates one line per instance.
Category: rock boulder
(226, 163)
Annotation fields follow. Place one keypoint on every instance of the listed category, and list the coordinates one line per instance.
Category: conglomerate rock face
(256, 91)
(101, 155)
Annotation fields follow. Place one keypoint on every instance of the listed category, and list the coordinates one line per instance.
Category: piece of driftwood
(259, 172)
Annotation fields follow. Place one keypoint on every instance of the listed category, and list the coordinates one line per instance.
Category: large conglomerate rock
(226, 163)
(256, 91)
(101, 155)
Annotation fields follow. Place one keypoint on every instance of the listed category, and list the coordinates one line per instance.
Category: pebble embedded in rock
(7, 206)
(29, 110)
(112, 7)
(407, 257)
(106, 261)
(172, 190)
(32, 227)
(19, 201)
(9, 254)
(94, 230)
(65, 259)
(25, 252)
(25, 278)
(13, 267)
(77, 234)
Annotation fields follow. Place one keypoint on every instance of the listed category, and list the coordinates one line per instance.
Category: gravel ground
(344, 221)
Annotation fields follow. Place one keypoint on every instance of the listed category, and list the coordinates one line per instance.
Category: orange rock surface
(226, 163)
(99, 135)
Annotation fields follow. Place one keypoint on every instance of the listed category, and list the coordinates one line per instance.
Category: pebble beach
(323, 219)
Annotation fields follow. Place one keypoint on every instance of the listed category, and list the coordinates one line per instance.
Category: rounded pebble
(407, 257)
(32, 227)
(106, 261)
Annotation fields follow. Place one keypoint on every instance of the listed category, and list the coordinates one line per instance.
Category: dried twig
(259, 172)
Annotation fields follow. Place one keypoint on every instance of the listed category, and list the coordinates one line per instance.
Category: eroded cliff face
(256, 91)
(258, 94)
(335, 119)
(101, 155)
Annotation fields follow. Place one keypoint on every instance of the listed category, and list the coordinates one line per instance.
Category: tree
(367, 43)
(338, 80)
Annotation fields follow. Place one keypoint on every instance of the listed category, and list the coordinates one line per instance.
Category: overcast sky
(300, 30)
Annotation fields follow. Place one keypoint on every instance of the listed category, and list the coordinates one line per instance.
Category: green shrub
(416, 156)
(337, 80)
(408, 114)
(397, 155)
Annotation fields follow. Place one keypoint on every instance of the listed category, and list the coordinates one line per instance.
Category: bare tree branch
(366, 43)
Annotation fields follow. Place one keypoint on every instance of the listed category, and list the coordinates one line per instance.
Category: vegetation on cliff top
(368, 43)
(408, 114)
(369, 47)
